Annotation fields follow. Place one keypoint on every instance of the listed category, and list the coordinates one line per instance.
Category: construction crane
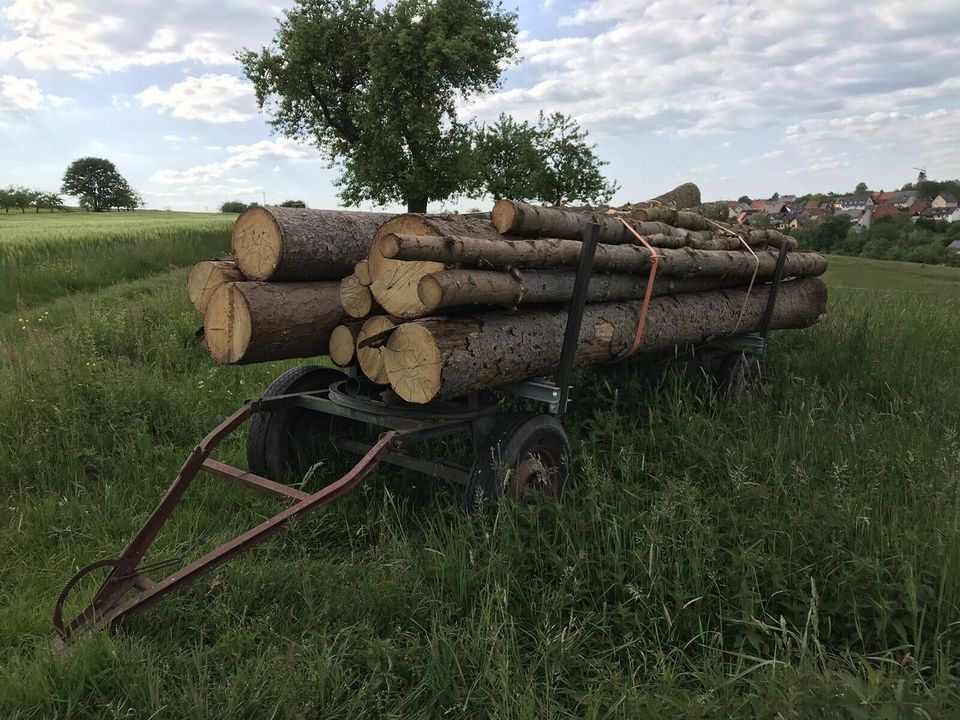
(921, 174)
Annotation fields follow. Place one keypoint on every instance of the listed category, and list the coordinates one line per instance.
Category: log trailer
(512, 454)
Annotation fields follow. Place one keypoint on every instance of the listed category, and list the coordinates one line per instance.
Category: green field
(793, 555)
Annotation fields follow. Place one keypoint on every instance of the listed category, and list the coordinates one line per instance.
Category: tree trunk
(394, 282)
(434, 358)
(371, 357)
(206, 276)
(551, 253)
(248, 322)
(417, 205)
(453, 288)
(356, 299)
(274, 243)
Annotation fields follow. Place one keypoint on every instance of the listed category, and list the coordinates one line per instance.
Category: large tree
(96, 182)
(376, 89)
(549, 161)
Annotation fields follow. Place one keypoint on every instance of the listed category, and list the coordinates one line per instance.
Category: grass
(45, 255)
(794, 555)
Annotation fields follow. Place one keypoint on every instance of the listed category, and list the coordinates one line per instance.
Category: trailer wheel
(280, 441)
(524, 454)
(739, 374)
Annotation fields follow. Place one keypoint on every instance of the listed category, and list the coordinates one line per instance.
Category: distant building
(954, 247)
(853, 202)
(954, 216)
(944, 200)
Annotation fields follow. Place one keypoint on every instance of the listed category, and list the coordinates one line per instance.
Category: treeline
(18, 197)
(890, 238)
(236, 206)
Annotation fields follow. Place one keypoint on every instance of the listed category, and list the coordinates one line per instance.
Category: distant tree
(49, 201)
(744, 199)
(6, 198)
(95, 181)
(376, 87)
(550, 161)
(233, 206)
(775, 196)
(293, 204)
(908, 186)
(123, 197)
(23, 197)
(861, 188)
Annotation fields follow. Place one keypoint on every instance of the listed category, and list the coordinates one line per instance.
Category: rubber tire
(272, 437)
(739, 375)
(513, 439)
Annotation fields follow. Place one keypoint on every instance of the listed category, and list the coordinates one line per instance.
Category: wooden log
(394, 282)
(206, 276)
(362, 272)
(275, 243)
(682, 196)
(343, 343)
(436, 358)
(551, 253)
(677, 218)
(356, 299)
(248, 322)
(371, 357)
(453, 288)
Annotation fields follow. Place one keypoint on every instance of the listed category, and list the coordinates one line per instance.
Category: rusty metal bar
(249, 479)
(255, 536)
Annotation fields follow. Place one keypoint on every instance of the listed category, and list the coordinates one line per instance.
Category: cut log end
(227, 325)
(257, 243)
(343, 344)
(355, 297)
(413, 364)
(430, 292)
(502, 216)
(371, 359)
(206, 276)
(362, 272)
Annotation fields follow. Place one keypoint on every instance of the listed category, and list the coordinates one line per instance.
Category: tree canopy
(550, 161)
(293, 204)
(377, 89)
(98, 185)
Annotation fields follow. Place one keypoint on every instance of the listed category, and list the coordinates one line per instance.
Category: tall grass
(793, 555)
(44, 256)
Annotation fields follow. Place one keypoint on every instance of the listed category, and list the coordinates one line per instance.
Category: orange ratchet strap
(654, 264)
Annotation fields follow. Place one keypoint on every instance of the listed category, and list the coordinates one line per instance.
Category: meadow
(795, 554)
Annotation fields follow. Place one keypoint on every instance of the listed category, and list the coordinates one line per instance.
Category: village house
(944, 200)
(954, 247)
(853, 202)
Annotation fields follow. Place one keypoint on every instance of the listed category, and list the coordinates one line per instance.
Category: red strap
(654, 264)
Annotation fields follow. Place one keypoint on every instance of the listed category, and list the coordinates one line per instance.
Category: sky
(740, 96)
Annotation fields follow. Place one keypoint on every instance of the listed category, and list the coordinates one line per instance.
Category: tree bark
(436, 358)
(453, 288)
(249, 322)
(394, 282)
(551, 253)
(274, 243)
(206, 276)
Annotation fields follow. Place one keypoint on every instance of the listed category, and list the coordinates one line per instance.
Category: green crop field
(791, 555)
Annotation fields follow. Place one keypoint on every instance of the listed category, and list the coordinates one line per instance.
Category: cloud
(19, 94)
(685, 67)
(239, 156)
(94, 36)
(210, 98)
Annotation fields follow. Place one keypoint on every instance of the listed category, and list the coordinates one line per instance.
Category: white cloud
(211, 98)
(21, 94)
(85, 38)
(686, 67)
(239, 156)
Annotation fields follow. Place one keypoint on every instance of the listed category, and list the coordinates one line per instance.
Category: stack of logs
(436, 306)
